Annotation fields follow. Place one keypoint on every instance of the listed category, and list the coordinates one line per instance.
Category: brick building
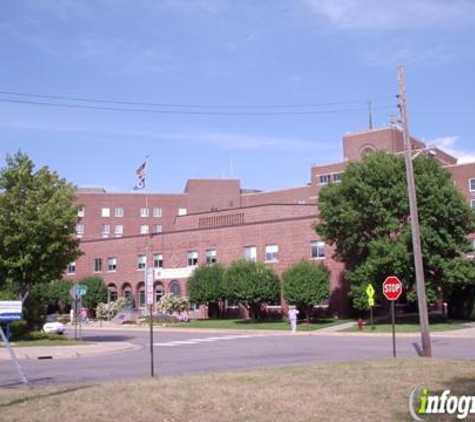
(217, 221)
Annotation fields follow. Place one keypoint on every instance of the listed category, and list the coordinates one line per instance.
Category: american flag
(141, 177)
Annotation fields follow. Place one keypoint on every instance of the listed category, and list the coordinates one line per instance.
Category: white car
(54, 328)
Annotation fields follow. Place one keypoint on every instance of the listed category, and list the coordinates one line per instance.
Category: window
(324, 179)
(301, 202)
(211, 256)
(71, 268)
(317, 249)
(97, 265)
(473, 245)
(471, 185)
(143, 212)
(192, 258)
(336, 177)
(157, 260)
(79, 229)
(175, 288)
(105, 212)
(250, 253)
(272, 253)
(111, 264)
(141, 298)
(113, 296)
(159, 292)
(105, 230)
(141, 262)
(182, 211)
(143, 229)
(472, 203)
(119, 230)
(157, 228)
(81, 212)
(157, 212)
(119, 212)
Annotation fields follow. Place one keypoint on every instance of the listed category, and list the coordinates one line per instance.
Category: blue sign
(10, 310)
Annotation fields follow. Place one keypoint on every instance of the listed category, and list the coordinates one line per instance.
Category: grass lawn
(232, 324)
(357, 391)
(411, 325)
(37, 338)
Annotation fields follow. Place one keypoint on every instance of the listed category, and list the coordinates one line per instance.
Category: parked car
(54, 328)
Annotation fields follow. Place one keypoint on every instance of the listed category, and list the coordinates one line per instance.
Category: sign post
(11, 310)
(76, 292)
(392, 289)
(370, 293)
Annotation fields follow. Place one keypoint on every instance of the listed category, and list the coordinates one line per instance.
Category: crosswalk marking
(194, 341)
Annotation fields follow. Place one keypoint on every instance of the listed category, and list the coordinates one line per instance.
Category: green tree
(38, 215)
(366, 218)
(59, 295)
(251, 284)
(206, 287)
(305, 285)
(95, 294)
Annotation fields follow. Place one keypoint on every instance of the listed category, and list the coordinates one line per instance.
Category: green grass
(350, 391)
(437, 323)
(233, 324)
(38, 338)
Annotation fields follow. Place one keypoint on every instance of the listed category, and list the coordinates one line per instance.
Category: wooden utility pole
(416, 236)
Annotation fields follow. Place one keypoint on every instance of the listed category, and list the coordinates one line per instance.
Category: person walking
(293, 312)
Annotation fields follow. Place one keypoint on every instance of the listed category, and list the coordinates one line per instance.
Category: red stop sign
(392, 288)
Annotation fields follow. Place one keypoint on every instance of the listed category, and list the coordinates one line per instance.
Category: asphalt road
(178, 353)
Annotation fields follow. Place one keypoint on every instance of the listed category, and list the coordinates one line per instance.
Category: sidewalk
(60, 352)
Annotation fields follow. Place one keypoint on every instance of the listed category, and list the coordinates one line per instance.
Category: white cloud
(392, 15)
(448, 144)
(409, 55)
(223, 140)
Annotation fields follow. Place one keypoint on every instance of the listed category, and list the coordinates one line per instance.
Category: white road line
(208, 340)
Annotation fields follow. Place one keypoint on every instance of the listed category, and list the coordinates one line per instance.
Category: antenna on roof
(370, 115)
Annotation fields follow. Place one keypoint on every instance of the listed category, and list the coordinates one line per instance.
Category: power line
(204, 106)
(190, 112)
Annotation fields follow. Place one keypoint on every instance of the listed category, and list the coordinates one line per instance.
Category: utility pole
(416, 236)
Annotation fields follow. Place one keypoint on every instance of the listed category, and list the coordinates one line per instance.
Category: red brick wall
(293, 237)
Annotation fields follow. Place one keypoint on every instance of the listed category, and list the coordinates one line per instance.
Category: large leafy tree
(305, 285)
(38, 215)
(206, 287)
(367, 218)
(95, 294)
(251, 284)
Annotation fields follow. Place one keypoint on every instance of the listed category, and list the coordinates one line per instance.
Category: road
(178, 353)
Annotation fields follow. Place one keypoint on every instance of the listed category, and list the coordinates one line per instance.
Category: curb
(68, 352)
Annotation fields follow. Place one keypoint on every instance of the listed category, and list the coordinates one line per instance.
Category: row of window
(471, 185)
(317, 251)
(324, 179)
(119, 212)
(119, 229)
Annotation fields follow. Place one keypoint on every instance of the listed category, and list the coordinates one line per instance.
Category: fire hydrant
(359, 323)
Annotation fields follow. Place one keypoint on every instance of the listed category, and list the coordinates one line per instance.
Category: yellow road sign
(370, 291)
(370, 301)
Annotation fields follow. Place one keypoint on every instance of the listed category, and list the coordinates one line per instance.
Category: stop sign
(392, 288)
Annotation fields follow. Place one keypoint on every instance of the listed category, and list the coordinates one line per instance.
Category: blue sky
(230, 57)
